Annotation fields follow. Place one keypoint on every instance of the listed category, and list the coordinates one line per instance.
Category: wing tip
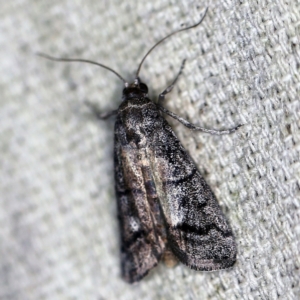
(135, 276)
(132, 272)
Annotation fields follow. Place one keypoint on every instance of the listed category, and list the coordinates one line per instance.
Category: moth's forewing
(143, 234)
(197, 231)
(163, 200)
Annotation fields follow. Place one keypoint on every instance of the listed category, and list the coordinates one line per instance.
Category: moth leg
(161, 96)
(101, 115)
(194, 127)
(106, 115)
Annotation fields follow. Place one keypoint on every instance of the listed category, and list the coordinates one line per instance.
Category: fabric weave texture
(59, 235)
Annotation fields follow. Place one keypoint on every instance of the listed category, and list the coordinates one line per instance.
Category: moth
(165, 207)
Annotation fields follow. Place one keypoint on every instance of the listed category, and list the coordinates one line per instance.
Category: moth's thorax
(139, 114)
(138, 118)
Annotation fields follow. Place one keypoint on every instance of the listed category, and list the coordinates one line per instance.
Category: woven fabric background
(58, 227)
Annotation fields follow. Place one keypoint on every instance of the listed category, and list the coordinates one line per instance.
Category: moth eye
(143, 88)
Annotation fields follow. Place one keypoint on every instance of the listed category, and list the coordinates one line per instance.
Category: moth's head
(135, 89)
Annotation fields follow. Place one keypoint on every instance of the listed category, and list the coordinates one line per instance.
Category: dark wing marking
(197, 231)
(142, 234)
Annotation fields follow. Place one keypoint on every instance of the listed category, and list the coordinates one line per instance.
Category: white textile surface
(59, 236)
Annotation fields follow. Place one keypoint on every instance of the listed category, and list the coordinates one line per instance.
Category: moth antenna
(81, 60)
(169, 35)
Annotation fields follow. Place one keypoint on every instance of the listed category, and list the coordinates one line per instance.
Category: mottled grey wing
(197, 231)
(143, 235)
